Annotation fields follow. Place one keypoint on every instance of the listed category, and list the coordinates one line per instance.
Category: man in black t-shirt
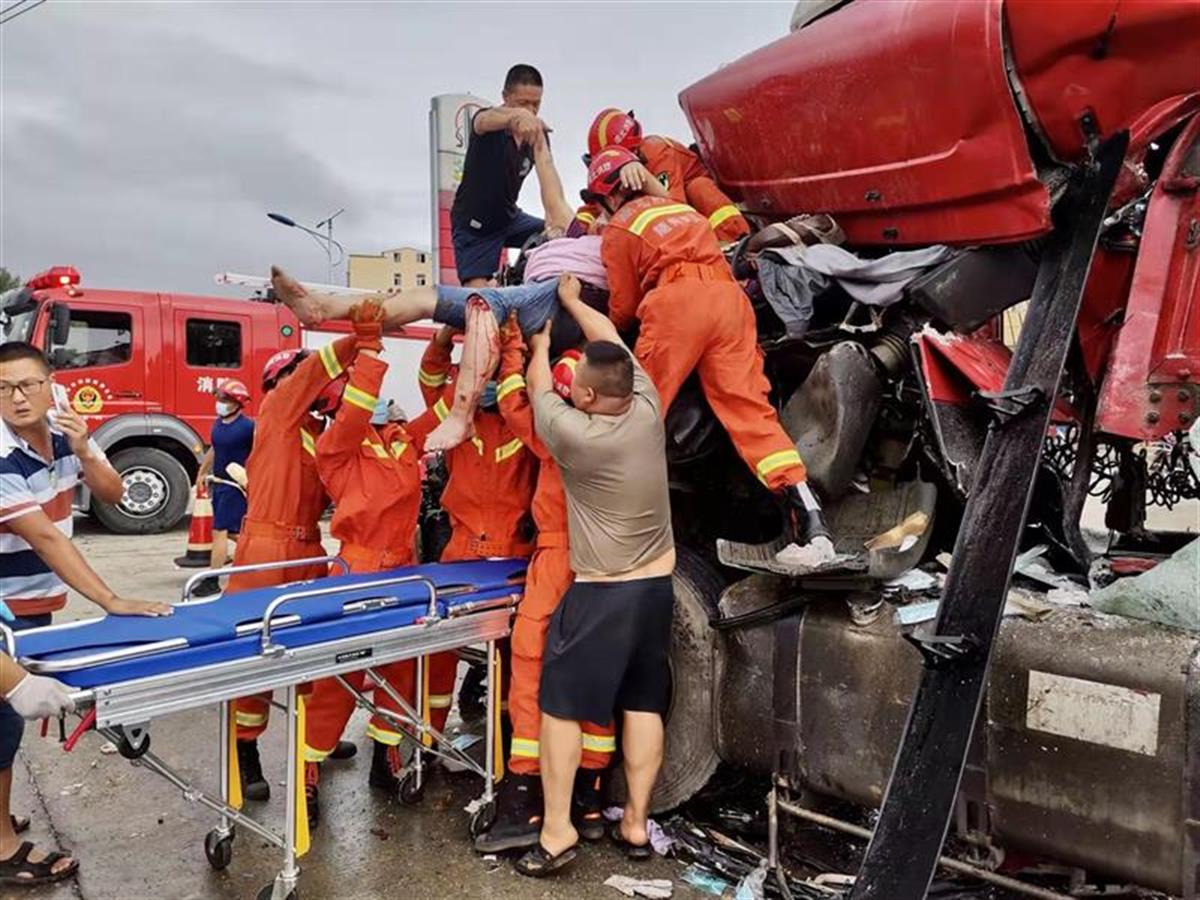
(485, 218)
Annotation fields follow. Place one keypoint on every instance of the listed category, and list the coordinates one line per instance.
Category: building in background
(404, 268)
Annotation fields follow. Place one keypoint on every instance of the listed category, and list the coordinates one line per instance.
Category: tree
(8, 280)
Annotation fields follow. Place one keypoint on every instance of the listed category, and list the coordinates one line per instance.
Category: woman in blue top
(231, 441)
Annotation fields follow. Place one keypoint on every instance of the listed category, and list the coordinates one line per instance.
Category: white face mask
(225, 408)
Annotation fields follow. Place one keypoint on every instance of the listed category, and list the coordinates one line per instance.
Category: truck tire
(690, 755)
(157, 489)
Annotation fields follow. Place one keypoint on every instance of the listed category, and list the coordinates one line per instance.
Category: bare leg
(9, 841)
(480, 356)
(313, 308)
(220, 549)
(561, 748)
(554, 199)
(642, 746)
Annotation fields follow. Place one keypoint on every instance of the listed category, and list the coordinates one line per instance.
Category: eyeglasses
(30, 387)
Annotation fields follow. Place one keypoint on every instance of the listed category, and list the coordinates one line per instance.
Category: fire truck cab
(141, 368)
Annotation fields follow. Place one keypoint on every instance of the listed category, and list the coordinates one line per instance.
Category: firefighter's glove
(367, 316)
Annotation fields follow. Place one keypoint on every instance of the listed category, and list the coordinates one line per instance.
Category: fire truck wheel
(157, 489)
(690, 754)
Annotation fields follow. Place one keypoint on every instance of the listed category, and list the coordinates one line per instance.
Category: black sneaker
(587, 804)
(385, 762)
(312, 796)
(254, 786)
(518, 815)
(207, 587)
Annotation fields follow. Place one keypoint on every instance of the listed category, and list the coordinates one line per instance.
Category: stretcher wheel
(218, 849)
(131, 750)
(483, 819)
(265, 893)
(411, 792)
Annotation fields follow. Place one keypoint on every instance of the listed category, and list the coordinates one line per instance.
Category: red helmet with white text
(604, 171)
(564, 373)
(281, 364)
(614, 128)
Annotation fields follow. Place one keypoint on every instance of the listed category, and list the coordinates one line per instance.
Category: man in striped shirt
(43, 456)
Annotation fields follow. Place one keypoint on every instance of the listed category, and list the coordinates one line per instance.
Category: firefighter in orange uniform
(665, 268)
(285, 503)
(371, 469)
(519, 802)
(487, 495)
(678, 168)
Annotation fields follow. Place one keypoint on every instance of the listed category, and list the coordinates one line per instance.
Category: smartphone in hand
(61, 403)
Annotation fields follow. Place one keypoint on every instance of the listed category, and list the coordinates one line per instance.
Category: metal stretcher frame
(122, 711)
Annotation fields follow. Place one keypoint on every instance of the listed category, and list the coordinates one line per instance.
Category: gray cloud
(145, 142)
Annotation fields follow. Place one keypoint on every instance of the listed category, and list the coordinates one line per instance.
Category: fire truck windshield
(16, 321)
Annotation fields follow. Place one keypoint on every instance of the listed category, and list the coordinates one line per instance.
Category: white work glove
(654, 888)
(37, 697)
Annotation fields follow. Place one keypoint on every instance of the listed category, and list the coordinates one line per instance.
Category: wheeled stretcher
(127, 671)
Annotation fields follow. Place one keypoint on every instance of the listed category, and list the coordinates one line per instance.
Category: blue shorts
(534, 304)
(478, 255)
(229, 508)
(12, 726)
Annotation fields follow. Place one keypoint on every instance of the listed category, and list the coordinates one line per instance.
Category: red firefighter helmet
(564, 373)
(330, 398)
(614, 128)
(280, 363)
(234, 390)
(604, 171)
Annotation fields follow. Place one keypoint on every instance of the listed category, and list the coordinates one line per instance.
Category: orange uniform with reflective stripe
(373, 476)
(546, 582)
(666, 269)
(285, 497)
(687, 181)
(487, 498)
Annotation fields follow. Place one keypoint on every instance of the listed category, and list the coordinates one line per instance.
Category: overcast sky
(145, 142)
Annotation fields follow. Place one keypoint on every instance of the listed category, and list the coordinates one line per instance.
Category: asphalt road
(138, 837)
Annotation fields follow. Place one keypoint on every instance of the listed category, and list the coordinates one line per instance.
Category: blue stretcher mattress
(210, 627)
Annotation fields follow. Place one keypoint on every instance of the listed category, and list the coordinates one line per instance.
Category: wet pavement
(137, 837)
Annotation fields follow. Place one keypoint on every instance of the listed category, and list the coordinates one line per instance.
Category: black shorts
(607, 649)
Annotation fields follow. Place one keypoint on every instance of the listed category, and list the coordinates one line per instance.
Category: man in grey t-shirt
(606, 648)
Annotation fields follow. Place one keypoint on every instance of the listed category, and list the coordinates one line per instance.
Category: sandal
(540, 862)
(635, 852)
(20, 869)
(20, 824)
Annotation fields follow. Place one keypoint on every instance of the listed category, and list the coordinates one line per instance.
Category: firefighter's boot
(254, 785)
(518, 815)
(587, 804)
(385, 763)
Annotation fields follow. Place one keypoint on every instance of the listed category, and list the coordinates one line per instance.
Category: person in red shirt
(519, 802)
(286, 500)
(371, 470)
(677, 168)
(666, 271)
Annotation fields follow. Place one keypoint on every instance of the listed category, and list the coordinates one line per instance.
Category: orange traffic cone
(200, 532)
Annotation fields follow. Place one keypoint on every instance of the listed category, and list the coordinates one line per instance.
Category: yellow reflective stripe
(510, 449)
(515, 382)
(309, 443)
(600, 743)
(250, 720)
(312, 754)
(383, 735)
(526, 748)
(440, 701)
(643, 220)
(432, 379)
(775, 461)
(602, 131)
(398, 448)
(478, 444)
(441, 410)
(360, 398)
(333, 366)
(586, 217)
(378, 448)
(725, 212)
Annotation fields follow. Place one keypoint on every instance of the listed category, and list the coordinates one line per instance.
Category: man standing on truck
(45, 451)
(287, 499)
(231, 441)
(666, 271)
(485, 217)
(678, 169)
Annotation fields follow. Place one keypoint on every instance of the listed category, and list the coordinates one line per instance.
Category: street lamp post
(325, 241)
